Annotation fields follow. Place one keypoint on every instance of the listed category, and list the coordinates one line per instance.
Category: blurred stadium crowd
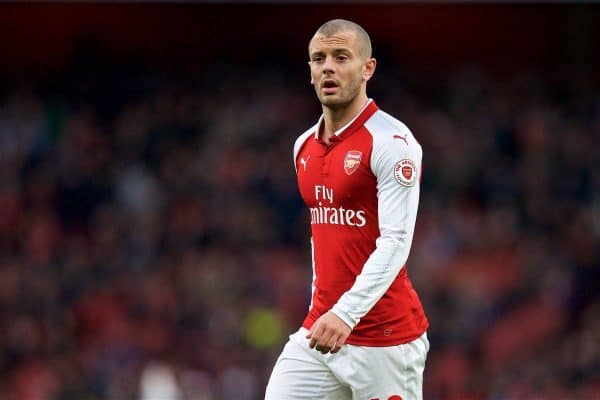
(154, 246)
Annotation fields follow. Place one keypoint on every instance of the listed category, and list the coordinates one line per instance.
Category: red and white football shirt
(362, 190)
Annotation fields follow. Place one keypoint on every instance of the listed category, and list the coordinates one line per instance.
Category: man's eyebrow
(334, 51)
(342, 50)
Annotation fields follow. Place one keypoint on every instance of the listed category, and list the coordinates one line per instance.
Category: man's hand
(328, 333)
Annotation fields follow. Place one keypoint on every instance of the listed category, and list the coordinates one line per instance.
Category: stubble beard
(345, 97)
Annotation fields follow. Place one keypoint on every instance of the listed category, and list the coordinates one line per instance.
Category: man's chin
(333, 102)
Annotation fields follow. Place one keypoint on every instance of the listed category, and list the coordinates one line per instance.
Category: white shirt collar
(343, 128)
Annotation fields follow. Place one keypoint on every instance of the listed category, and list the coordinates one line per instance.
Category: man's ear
(369, 68)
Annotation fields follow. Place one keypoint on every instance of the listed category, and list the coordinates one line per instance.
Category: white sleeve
(397, 166)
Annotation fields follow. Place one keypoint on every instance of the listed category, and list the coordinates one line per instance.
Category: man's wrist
(344, 316)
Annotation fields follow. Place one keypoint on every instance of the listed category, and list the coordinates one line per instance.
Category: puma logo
(303, 161)
(403, 138)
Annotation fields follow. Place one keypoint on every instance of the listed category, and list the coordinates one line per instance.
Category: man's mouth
(329, 86)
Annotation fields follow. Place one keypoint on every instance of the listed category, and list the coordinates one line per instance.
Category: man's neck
(335, 119)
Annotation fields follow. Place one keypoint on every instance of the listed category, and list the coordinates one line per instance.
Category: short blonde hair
(334, 26)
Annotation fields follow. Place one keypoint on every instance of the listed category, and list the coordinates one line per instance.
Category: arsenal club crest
(352, 161)
(405, 172)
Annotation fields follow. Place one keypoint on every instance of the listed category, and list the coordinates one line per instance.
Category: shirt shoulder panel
(392, 143)
(301, 140)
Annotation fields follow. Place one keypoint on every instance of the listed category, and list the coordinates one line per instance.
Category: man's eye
(342, 58)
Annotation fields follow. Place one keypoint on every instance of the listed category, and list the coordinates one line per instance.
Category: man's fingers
(336, 343)
(332, 342)
(322, 349)
(338, 346)
(325, 339)
(316, 330)
(325, 345)
(314, 334)
(319, 337)
(339, 343)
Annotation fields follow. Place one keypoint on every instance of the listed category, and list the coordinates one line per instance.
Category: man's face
(336, 68)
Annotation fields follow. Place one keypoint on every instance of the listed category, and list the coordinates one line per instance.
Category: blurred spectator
(158, 382)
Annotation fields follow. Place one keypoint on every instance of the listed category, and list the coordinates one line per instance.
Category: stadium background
(152, 242)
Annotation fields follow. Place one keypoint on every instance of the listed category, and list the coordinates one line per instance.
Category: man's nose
(328, 65)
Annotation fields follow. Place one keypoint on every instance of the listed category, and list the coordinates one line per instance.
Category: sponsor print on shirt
(334, 215)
